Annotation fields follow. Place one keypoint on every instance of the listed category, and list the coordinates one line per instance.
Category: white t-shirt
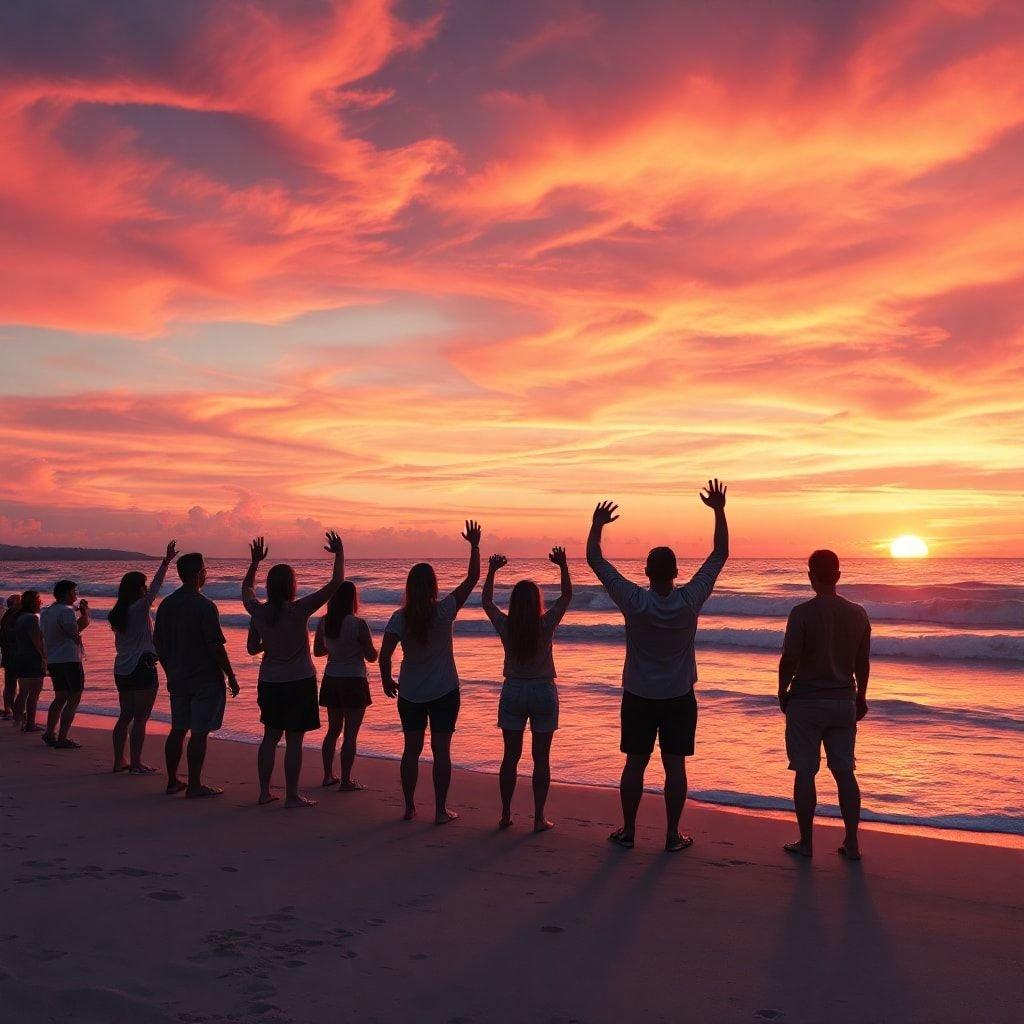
(428, 670)
(286, 657)
(136, 640)
(346, 651)
(59, 623)
(660, 659)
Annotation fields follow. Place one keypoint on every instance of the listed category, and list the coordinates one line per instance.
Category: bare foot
(350, 786)
(799, 849)
(200, 791)
(121, 767)
(410, 813)
(542, 824)
(444, 816)
(175, 786)
(851, 851)
(299, 801)
(332, 781)
(505, 821)
(268, 798)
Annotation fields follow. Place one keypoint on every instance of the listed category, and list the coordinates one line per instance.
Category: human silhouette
(7, 655)
(660, 667)
(823, 685)
(62, 636)
(428, 682)
(529, 693)
(344, 638)
(29, 661)
(286, 691)
(135, 674)
(190, 646)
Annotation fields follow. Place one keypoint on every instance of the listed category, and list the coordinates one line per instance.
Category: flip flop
(203, 791)
(143, 771)
(678, 842)
(795, 849)
(350, 787)
(619, 838)
(66, 745)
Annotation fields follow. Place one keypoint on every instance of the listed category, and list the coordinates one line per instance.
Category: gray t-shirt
(346, 652)
(660, 659)
(286, 657)
(428, 670)
(542, 665)
(136, 639)
(829, 638)
(187, 631)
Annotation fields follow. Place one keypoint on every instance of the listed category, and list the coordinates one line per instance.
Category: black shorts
(442, 713)
(672, 721)
(142, 677)
(345, 692)
(289, 706)
(67, 675)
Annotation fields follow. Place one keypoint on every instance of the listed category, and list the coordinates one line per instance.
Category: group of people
(822, 683)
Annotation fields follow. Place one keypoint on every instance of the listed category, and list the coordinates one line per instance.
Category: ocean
(940, 748)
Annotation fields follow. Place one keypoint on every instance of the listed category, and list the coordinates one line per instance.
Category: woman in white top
(529, 693)
(428, 683)
(131, 619)
(286, 690)
(345, 639)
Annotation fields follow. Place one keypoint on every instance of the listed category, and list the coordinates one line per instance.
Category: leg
(196, 755)
(631, 790)
(335, 720)
(67, 716)
(20, 695)
(441, 748)
(541, 778)
(292, 771)
(60, 699)
(10, 690)
(410, 770)
(35, 688)
(675, 795)
(353, 720)
(126, 699)
(172, 755)
(143, 706)
(508, 773)
(265, 757)
(805, 800)
(849, 804)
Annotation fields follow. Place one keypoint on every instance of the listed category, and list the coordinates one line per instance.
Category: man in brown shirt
(823, 681)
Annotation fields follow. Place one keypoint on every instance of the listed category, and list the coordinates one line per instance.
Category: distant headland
(16, 553)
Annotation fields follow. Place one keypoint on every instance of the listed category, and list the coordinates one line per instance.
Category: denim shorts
(528, 700)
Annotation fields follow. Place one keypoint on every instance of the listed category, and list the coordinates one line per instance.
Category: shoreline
(92, 717)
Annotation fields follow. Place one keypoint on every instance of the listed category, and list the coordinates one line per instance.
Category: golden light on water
(908, 546)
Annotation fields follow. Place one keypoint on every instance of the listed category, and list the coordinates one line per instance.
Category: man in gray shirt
(823, 683)
(661, 666)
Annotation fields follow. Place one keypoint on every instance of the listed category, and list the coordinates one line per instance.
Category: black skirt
(289, 706)
(345, 692)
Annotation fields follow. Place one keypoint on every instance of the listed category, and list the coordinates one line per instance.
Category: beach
(121, 904)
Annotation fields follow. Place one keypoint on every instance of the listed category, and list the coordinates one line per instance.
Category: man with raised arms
(660, 668)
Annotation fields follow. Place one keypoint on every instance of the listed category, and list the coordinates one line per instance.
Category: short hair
(824, 565)
(189, 566)
(62, 588)
(661, 564)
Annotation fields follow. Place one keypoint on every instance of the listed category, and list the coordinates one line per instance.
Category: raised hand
(605, 513)
(472, 533)
(496, 562)
(258, 550)
(172, 551)
(714, 495)
(558, 556)
(333, 544)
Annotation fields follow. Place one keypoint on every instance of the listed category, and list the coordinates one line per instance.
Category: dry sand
(119, 904)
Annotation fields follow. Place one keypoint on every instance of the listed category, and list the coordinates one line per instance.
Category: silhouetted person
(345, 639)
(29, 661)
(135, 676)
(287, 681)
(62, 635)
(7, 656)
(428, 682)
(190, 646)
(823, 685)
(528, 693)
(661, 666)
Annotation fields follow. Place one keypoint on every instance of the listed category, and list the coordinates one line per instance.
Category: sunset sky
(271, 267)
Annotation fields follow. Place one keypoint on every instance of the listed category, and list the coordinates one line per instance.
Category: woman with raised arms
(345, 639)
(529, 693)
(135, 676)
(286, 691)
(428, 682)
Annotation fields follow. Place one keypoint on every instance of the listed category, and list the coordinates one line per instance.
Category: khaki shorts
(813, 721)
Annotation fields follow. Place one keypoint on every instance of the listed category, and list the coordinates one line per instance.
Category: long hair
(420, 601)
(131, 588)
(30, 601)
(344, 603)
(525, 607)
(280, 589)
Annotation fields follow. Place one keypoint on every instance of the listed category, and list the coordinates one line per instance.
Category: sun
(908, 546)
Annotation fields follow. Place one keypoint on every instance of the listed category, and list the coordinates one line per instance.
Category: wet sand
(120, 904)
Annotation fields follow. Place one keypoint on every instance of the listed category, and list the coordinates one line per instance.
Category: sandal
(620, 838)
(350, 787)
(678, 842)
